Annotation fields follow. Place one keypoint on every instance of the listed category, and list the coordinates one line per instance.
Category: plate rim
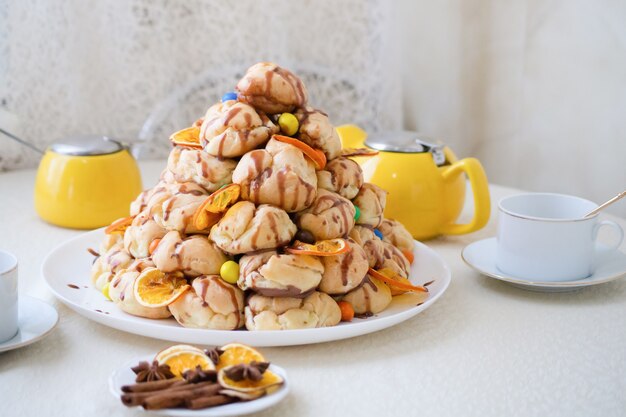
(333, 333)
(535, 284)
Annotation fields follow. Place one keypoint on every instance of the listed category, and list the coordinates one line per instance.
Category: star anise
(252, 371)
(155, 372)
(214, 354)
(199, 375)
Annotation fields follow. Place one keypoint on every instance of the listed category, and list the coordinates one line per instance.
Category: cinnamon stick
(153, 385)
(137, 398)
(176, 398)
(206, 402)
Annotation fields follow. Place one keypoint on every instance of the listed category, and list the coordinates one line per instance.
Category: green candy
(357, 213)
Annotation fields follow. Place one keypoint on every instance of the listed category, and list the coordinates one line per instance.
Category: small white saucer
(481, 256)
(36, 319)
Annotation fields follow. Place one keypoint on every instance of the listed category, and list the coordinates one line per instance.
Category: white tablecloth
(484, 349)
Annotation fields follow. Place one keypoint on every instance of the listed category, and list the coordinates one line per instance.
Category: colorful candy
(229, 96)
(288, 124)
(230, 272)
(378, 233)
(357, 213)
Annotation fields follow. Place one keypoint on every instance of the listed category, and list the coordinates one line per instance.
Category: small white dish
(36, 319)
(125, 376)
(481, 256)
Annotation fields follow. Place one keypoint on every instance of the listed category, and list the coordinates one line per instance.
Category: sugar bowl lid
(405, 141)
(86, 145)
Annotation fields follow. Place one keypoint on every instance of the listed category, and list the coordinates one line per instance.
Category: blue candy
(378, 233)
(229, 96)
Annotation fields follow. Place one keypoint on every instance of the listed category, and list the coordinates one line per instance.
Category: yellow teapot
(425, 181)
(86, 182)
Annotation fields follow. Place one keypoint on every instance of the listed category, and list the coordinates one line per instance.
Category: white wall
(535, 89)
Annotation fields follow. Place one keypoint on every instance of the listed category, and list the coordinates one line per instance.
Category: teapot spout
(351, 136)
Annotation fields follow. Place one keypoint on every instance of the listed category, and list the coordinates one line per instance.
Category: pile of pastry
(260, 219)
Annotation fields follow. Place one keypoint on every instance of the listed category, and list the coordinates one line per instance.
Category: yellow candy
(230, 272)
(288, 124)
(105, 291)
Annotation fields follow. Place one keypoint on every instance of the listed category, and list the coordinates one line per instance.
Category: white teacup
(545, 237)
(8, 296)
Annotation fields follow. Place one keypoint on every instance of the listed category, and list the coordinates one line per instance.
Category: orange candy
(317, 156)
(119, 225)
(409, 256)
(347, 311)
(153, 246)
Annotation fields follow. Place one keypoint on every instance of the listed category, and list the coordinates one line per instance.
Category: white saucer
(125, 376)
(481, 256)
(36, 319)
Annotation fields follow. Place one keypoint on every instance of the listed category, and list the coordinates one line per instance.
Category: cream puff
(371, 244)
(271, 89)
(108, 264)
(274, 275)
(331, 216)
(248, 228)
(342, 176)
(122, 294)
(371, 201)
(165, 189)
(395, 260)
(230, 129)
(176, 212)
(396, 234)
(370, 298)
(317, 132)
(287, 313)
(198, 166)
(194, 255)
(142, 231)
(344, 272)
(211, 303)
(280, 175)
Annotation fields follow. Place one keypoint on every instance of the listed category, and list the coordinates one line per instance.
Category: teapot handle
(480, 190)
(351, 136)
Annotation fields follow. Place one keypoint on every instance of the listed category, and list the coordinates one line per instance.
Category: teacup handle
(480, 190)
(612, 225)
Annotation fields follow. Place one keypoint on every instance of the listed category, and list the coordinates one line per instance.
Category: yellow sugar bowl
(86, 182)
(425, 181)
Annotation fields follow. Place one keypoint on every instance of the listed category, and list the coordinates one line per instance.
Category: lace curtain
(143, 69)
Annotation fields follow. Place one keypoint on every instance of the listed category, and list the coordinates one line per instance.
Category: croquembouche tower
(259, 220)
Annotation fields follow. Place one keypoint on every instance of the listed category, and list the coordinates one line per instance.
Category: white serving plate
(125, 376)
(68, 266)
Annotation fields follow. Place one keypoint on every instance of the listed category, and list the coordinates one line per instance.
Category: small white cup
(544, 237)
(8, 296)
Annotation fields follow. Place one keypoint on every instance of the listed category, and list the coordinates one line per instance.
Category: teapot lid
(86, 145)
(405, 141)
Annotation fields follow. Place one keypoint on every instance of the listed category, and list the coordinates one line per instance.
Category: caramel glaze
(230, 114)
(168, 208)
(289, 291)
(345, 266)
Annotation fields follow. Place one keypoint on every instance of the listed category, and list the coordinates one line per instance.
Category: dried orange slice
(237, 353)
(119, 225)
(155, 288)
(175, 349)
(182, 360)
(346, 152)
(317, 156)
(395, 281)
(153, 246)
(209, 212)
(189, 137)
(329, 247)
(269, 379)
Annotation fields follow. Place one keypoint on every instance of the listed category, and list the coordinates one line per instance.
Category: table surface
(485, 348)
